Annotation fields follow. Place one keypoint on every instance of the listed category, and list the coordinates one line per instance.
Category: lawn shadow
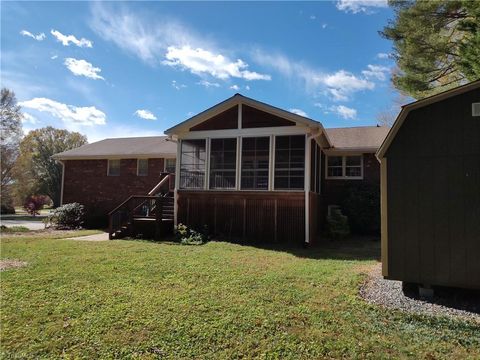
(353, 248)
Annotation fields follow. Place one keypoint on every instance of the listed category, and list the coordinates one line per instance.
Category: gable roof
(240, 99)
(418, 104)
(360, 138)
(146, 147)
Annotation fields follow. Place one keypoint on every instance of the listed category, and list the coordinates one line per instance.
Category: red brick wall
(334, 191)
(86, 182)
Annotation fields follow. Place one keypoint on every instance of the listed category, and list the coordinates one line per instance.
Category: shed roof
(418, 104)
(152, 147)
(359, 138)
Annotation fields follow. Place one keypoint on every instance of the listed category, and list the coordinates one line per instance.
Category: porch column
(308, 152)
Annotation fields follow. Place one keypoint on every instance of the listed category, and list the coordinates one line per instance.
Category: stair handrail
(162, 182)
(125, 205)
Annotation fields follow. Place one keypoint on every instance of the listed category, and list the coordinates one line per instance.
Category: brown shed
(430, 186)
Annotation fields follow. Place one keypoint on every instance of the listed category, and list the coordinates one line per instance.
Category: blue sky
(134, 69)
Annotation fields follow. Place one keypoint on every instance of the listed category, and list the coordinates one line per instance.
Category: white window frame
(119, 167)
(165, 164)
(206, 169)
(235, 188)
(305, 165)
(138, 167)
(270, 161)
(344, 166)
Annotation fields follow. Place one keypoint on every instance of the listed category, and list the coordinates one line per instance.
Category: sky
(125, 69)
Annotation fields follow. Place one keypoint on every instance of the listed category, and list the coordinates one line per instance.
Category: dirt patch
(7, 264)
(388, 293)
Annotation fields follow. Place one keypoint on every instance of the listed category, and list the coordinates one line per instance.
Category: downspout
(63, 181)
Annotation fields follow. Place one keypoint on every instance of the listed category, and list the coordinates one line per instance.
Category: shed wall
(433, 193)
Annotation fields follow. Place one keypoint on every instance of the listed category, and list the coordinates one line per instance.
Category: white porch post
(177, 182)
(307, 187)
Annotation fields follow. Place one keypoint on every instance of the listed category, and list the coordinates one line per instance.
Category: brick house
(243, 167)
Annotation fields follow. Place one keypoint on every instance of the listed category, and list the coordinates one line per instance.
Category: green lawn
(142, 299)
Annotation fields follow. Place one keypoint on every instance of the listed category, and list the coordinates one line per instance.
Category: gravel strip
(6, 264)
(388, 293)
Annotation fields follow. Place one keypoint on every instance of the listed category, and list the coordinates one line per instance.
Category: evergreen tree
(436, 44)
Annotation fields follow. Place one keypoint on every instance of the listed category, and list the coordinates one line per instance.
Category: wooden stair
(145, 216)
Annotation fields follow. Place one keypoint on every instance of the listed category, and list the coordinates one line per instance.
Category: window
(192, 164)
(142, 167)
(289, 162)
(113, 168)
(170, 165)
(344, 167)
(223, 163)
(255, 160)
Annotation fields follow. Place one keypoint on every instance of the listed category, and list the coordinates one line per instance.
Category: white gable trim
(184, 127)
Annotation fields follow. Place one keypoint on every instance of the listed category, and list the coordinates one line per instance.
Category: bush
(337, 225)
(188, 236)
(34, 203)
(362, 206)
(68, 216)
(7, 209)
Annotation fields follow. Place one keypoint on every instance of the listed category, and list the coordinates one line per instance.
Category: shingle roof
(153, 146)
(357, 138)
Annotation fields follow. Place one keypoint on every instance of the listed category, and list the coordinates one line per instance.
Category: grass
(139, 299)
(14, 229)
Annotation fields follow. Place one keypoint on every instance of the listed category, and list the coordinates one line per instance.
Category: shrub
(34, 203)
(7, 209)
(362, 206)
(189, 236)
(68, 216)
(337, 225)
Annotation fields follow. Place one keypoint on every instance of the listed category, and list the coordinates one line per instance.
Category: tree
(36, 167)
(436, 44)
(10, 135)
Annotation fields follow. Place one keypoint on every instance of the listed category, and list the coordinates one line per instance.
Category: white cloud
(67, 39)
(357, 6)
(235, 87)
(54, 57)
(177, 85)
(298, 112)
(383, 55)
(344, 112)
(69, 114)
(39, 37)
(164, 40)
(339, 85)
(312, 17)
(208, 84)
(29, 119)
(145, 114)
(324, 26)
(200, 61)
(247, 87)
(83, 68)
(376, 71)
(343, 83)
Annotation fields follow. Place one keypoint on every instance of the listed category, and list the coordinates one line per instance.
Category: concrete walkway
(29, 224)
(94, 237)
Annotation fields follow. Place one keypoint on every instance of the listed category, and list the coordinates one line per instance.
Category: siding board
(434, 195)
(246, 215)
